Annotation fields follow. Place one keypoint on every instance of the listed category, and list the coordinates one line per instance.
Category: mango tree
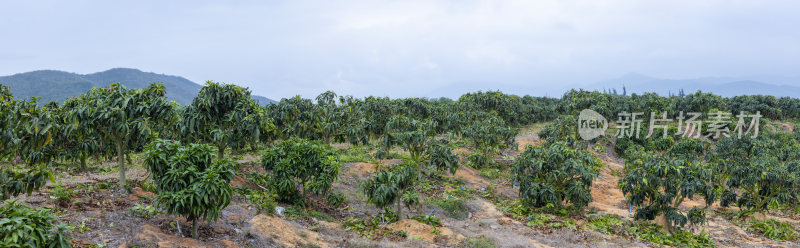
(327, 117)
(32, 128)
(79, 138)
(556, 175)
(389, 186)
(488, 136)
(758, 172)
(353, 121)
(310, 164)
(124, 117)
(411, 134)
(294, 117)
(7, 108)
(657, 185)
(190, 180)
(440, 155)
(216, 116)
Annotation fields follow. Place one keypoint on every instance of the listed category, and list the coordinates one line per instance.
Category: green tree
(411, 134)
(556, 175)
(657, 184)
(488, 136)
(78, 138)
(311, 164)
(222, 115)
(125, 118)
(390, 186)
(31, 131)
(440, 155)
(190, 180)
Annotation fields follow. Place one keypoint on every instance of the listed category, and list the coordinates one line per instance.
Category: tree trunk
(83, 163)
(399, 209)
(194, 228)
(121, 164)
(220, 152)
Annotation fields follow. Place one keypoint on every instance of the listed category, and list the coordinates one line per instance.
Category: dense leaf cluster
(22, 226)
(658, 184)
(190, 180)
(298, 164)
(556, 175)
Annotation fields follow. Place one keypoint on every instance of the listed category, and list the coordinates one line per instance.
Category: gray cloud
(404, 48)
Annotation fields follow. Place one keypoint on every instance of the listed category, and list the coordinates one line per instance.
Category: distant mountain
(724, 86)
(59, 85)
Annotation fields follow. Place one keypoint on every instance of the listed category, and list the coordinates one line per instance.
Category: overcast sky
(404, 48)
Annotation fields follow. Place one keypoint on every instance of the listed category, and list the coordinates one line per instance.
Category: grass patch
(648, 232)
(453, 207)
(773, 229)
(478, 242)
(61, 194)
(144, 211)
(493, 173)
(356, 154)
(296, 212)
(606, 223)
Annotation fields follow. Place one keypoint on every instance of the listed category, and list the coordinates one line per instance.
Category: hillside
(724, 86)
(52, 85)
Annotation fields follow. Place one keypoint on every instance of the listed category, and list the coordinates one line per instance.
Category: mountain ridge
(55, 85)
(723, 86)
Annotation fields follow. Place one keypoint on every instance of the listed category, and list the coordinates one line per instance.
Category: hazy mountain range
(724, 86)
(638, 83)
(59, 85)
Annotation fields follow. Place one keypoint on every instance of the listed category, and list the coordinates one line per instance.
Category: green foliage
(540, 220)
(678, 238)
(428, 219)
(410, 134)
(757, 172)
(388, 186)
(480, 160)
(477, 242)
(336, 199)
(127, 118)
(299, 212)
(517, 209)
(22, 226)
(263, 201)
(27, 135)
(612, 224)
(487, 137)
(62, 194)
(563, 128)
(190, 180)
(144, 211)
(492, 173)
(774, 229)
(78, 138)
(442, 157)
(410, 198)
(355, 154)
(556, 174)
(16, 182)
(311, 164)
(453, 207)
(658, 184)
(361, 226)
(223, 115)
(606, 223)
